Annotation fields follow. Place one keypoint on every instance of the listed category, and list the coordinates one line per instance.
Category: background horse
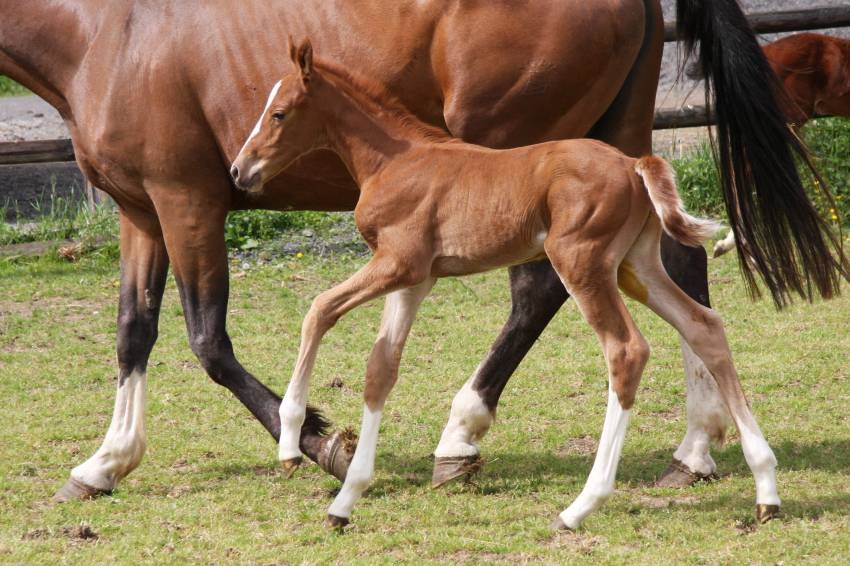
(814, 70)
(431, 206)
(158, 98)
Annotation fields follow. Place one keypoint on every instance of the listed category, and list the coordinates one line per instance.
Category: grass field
(209, 489)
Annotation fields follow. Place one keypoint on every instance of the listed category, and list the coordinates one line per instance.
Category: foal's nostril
(234, 172)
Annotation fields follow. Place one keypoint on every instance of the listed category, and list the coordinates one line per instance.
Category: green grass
(8, 87)
(209, 489)
(829, 142)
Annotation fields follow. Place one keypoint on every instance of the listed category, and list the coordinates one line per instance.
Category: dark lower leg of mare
(144, 267)
(199, 259)
(536, 295)
(205, 312)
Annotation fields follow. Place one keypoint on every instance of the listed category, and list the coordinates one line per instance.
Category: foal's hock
(432, 206)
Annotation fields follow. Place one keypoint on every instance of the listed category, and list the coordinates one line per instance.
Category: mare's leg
(536, 295)
(144, 265)
(193, 226)
(381, 275)
(594, 289)
(708, 417)
(702, 329)
(381, 375)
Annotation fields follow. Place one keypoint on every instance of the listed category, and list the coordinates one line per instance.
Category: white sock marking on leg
(362, 467)
(600, 482)
(125, 442)
(469, 420)
(708, 417)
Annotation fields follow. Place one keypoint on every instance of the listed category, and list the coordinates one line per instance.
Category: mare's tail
(659, 180)
(792, 247)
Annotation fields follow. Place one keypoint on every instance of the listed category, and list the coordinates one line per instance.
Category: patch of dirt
(575, 542)
(583, 445)
(81, 532)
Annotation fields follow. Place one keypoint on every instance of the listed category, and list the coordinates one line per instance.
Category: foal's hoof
(450, 468)
(765, 513)
(336, 523)
(289, 466)
(559, 526)
(75, 489)
(336, 453)
(678, 474)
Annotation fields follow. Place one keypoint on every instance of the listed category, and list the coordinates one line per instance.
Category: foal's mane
(376, 100)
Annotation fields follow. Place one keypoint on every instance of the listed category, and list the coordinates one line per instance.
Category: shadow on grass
(507, 471)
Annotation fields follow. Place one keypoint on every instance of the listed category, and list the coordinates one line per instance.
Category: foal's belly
(468, 259)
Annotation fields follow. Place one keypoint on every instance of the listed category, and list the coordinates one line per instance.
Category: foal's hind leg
(626, 353)
(702, 329)
(381, 375)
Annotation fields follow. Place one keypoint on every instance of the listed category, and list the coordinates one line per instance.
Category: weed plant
(8, 87)
(829, 142)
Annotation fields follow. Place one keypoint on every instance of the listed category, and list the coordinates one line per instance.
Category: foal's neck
(42, 44)
(368, 128)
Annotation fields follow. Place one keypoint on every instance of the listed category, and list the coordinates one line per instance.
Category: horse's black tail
(792, 248)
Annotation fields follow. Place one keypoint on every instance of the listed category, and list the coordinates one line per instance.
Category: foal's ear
(303, 58)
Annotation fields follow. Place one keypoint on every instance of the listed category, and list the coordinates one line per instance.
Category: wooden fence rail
(47, 151)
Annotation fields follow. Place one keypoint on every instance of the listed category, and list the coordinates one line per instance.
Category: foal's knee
(627, 362)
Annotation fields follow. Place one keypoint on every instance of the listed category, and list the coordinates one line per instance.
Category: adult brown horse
(815, 71)
(158, 97)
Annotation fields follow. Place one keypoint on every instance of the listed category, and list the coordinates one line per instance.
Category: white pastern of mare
(125, 442)
(469, 420)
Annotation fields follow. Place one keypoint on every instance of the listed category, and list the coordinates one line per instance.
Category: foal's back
(473, 208)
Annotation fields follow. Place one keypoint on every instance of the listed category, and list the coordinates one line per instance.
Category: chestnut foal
(432, 206)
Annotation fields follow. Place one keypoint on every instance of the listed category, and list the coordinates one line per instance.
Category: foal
(432, 206)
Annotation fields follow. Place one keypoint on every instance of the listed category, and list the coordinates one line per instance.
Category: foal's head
(285, 130)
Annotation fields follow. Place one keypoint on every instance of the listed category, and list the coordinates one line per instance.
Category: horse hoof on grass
(765, 513)
(336, 453)
(336, 523)
(450, 468)
(289, 466)
(559, 526)
(678, 474)
(75, 489)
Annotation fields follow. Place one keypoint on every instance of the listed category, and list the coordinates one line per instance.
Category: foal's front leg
(381, 375)
(378, 277)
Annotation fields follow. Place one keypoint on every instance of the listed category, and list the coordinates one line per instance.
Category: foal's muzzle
(247, 179)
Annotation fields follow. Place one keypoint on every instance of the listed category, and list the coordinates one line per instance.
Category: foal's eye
(278, 116)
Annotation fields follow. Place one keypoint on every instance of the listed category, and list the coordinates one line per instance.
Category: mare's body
(432, 206)
(158, 97)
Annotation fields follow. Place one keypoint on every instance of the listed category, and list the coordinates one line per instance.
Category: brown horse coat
(815, 71)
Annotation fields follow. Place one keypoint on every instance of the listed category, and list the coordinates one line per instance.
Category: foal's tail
(660, 183)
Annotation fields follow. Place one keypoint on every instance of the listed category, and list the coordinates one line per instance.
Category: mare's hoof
(336, 523)
(450, 468)
(289, 466)
(75, 489)
(678, 474)
(559, 526)
(336, 453)
(765, 513)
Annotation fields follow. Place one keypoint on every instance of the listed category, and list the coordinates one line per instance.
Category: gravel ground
(30, 118)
